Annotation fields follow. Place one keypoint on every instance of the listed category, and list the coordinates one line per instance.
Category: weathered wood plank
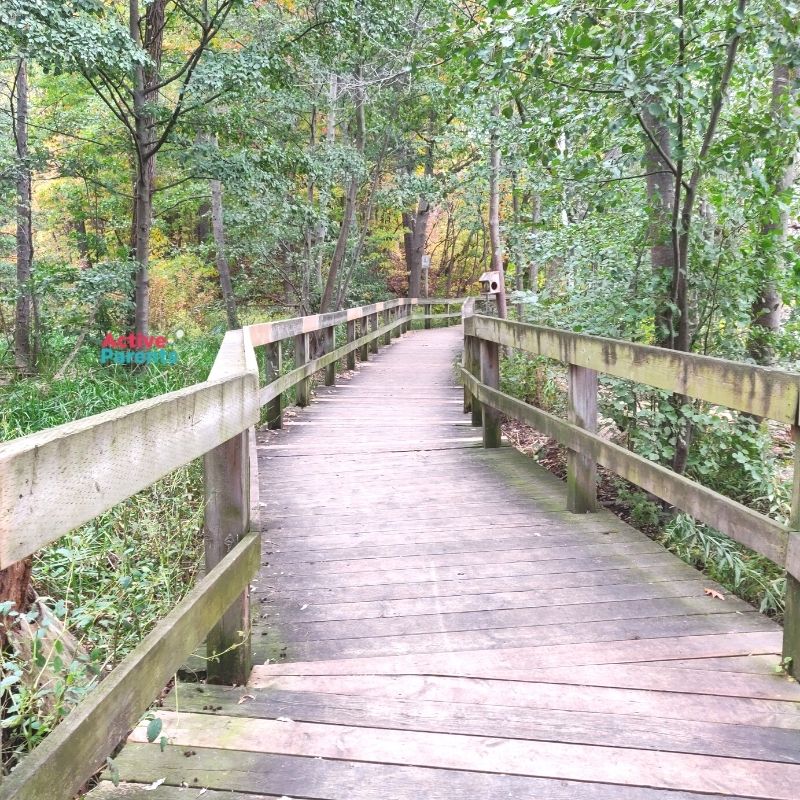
(791, 629)
(514, 663)
(351, 337)
(581, 468)
(608, 727)
(484, 601)
(338, 779)
(756, 390)
(273, 366)
(490, 375)
(757, 779)
(555, 689)
(58, 479)
(77, 748)
(226, 471)
(266, 332)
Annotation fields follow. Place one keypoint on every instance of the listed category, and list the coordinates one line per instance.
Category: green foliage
(534, 379)
(749, 575)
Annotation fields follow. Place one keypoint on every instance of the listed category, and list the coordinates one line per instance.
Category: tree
(150, 106)
(24, 354)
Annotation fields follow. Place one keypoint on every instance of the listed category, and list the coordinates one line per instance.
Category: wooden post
(466, 363)
(582, 469)
(363, 330)
(227, 520)
(791, 617)
(273, 358)
(329, 337)
(303, 389)
(387, 337)
(490, 375)
(373, 326)
(351, 337)
(427, 309)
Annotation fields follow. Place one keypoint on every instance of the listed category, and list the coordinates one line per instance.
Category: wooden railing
(58, 479)
(763, 392)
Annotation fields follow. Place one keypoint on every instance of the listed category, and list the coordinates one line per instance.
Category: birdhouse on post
(490, 283)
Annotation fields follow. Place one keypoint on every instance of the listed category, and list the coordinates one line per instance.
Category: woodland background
(195, 165)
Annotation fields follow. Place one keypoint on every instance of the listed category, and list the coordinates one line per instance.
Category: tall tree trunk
(661, 201)
(519, 272)
(223, 268)
(416, 238)
(766, 309)
(324, 197)
(367, 216)
(494, 213)
(202, 227)
(536, 221)
(23, 355)
(145, 78)
(350, 201)
(408, 246)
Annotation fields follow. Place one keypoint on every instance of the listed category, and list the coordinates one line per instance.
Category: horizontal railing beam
(266, 332)
(58, 479)
(292, 378)
(755, 390)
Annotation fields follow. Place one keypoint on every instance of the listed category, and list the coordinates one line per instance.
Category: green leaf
(154, 729)
(9, 680)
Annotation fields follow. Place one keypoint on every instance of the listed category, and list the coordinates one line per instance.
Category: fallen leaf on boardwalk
(244, 698)
(283, 719)
(202, 792)
(303, 608)
(714, 593)
(154, 785)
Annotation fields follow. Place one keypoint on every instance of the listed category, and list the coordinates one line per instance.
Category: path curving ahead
(436, 625)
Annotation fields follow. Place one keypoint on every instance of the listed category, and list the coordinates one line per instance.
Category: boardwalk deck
(432, 623)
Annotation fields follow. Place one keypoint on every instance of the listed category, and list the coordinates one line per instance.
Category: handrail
(57, 479)
(770, 393)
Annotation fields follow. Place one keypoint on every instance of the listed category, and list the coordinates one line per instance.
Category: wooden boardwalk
(436, 625)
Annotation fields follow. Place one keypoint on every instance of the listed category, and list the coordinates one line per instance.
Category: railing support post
(490, 375)
(273, 358)
(363, 330)
(427, 310)
(581, 468)
(303, 388)
(227, 520)
(329, 337)
(351, 337)
(791, 617)
(472, 364)
(385, 320)
(373, 326)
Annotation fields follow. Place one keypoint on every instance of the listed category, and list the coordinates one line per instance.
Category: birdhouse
(490, 282)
